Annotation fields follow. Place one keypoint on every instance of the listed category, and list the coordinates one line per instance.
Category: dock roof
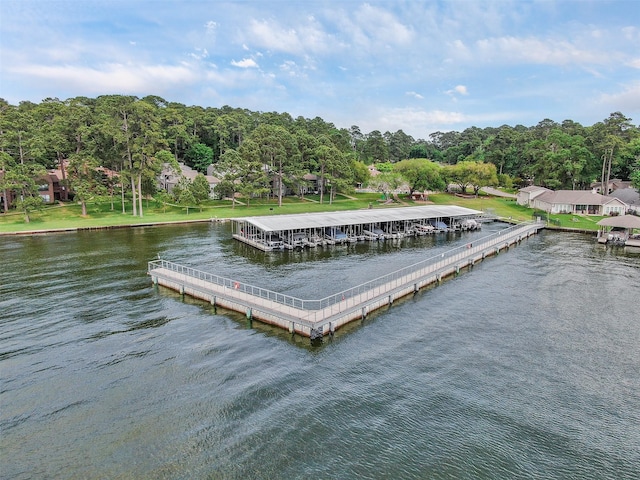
(276, 223)
(622, 221)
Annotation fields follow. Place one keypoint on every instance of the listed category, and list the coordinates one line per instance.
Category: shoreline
(47, 231)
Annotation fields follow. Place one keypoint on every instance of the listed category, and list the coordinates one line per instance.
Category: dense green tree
(278, 150)
(200, 190)
(84, 179)
(357, 142)
(114, 129)
(147, 140)
(484, 175)
(562, 161)
(375, 148)
(444, 140)
(399, 144)
(230, 169)
(24, 179)
(175, 127)
(460, 174)
(19, 131)
(253, 178)
(420, 174)
(306, 147)
(384, 167)
(124, 133)
(183, 194)
(386, 182)
(340, 175)
(199, 157)
(360, 171)
(326, 156)
(6, 163)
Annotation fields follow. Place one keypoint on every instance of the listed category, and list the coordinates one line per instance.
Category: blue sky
(419, 66)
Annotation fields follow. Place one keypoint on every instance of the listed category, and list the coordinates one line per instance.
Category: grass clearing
(69, 215)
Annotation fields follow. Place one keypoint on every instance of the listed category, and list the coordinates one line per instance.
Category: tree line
(269, 153)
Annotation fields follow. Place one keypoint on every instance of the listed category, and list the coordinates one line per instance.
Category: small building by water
(620, 230)
(278, 232)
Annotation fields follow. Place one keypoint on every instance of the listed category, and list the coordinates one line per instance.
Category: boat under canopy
(274, 232)
(620, 230)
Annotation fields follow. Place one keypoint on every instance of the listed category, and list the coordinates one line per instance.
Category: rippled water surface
(526, 366)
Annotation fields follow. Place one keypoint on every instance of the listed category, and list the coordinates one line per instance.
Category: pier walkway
(315, 318)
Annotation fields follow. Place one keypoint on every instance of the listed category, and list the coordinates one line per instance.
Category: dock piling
(315, 318)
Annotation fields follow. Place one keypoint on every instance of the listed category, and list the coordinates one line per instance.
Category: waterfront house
(581, 202)
(613, 185)
(169, 178)
(630, 196)
(526, 195)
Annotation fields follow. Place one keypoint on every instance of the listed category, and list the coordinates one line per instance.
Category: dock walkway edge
(318, 317)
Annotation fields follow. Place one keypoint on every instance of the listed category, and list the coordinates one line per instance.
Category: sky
(416, 66)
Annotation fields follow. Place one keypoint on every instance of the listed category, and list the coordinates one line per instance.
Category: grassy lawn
(68, 216)
(502, 207)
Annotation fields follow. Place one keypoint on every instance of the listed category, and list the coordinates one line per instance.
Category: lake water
(526, 366)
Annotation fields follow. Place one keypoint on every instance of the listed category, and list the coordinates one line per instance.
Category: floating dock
(279, 232)
(316, 318)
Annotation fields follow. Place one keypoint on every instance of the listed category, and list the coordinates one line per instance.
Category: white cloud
(628, 99)
(292, 69)
(457, 90)
(245, 63)
(538, 51)
(461, 89)
(382, 26)
(415, 122)
(211, 27)
(414, 95)
(635, 63)
(304, 38)
(111, 77)
(199, 54)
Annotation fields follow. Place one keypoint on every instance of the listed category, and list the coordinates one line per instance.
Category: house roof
(533, 188)
(275, 223)
(630, 196)
(186, 172)
(576, 197)
(623, 221)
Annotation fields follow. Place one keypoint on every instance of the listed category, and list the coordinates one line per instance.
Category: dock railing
(395, 279)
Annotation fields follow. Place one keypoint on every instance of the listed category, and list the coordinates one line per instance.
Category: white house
(526, 195)
(582, 202)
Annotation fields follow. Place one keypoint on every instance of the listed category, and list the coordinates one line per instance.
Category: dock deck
(279, 232)
(315, 318)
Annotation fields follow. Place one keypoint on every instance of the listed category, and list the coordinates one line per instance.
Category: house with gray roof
(630, 196)
(580, 202)
(526, 195)
(169, 178)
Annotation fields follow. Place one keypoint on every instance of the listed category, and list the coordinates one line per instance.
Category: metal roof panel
(276, 223)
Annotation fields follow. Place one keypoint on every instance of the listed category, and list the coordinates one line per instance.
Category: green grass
(502, 207)
(564, 220)
(68, 216)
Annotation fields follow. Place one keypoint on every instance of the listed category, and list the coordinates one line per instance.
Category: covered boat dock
(277, 232)
(620, 230)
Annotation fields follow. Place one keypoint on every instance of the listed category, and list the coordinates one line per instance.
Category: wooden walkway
(315, 318)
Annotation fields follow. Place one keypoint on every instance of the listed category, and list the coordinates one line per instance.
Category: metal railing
(392, 280)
